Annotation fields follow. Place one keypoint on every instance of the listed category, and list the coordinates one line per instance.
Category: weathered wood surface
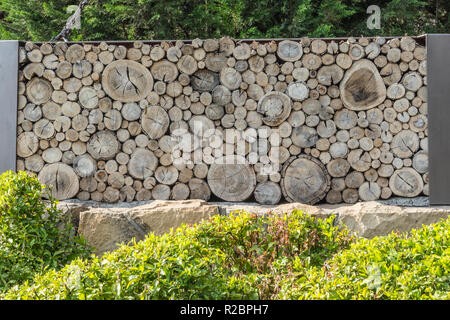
(314, 120)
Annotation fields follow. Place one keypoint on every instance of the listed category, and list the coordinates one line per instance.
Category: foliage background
(40, 20)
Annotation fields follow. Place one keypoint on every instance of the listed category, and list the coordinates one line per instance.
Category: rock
(372, 219)
(106, 225)
(104, 228)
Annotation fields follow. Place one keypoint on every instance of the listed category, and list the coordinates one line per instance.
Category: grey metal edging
(438, 87)
(9, 66)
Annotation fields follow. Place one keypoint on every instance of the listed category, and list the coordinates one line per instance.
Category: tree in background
(40, 20)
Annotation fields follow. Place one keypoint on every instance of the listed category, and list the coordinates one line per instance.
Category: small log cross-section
(142, 164)
(406, 182)
(231, 179)
(289, 50)
(61, 179)
(304, 179)
(275, 106)
(155, 122)
(267, 192)
(103, 145)
(204, 80)
(127, 81)
(362, 87)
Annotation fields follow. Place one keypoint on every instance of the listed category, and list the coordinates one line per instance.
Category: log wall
(306, 120)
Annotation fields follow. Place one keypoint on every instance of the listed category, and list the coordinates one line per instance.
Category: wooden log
(395, 91)
(275, 106)
(328, 75)
(111, 195)
(52, 155)
(180, 192)
(113, 120)
(84, 165)
(350, 196)
(338, 167)
(199, 189)
(372, 50)
(298, 91)
(256, 63)
(362, 87)
(204, 80)
(369, 191)
(221, 95)
(39, 91)
(304, 179)
(304, 137)
(44, 129)
(32, 112)
(88, 98)
(242, 52)
(82, 69)
(290, 50)
(406, 182)
(164, 71)
(354, 179)
(215, 62)
(75, 53)
(268, 193)
(405, 144)
(391, 73)
(311, 61)
(27, 144)
(231, 179)
(345, 119)
(127, 81)
(230, 78)
(60, 179)
(187, 64)
(33, 69)
(161, 192)
(359, 160)
(412, 81)
(33, 163)
(166, 175)
(356, 51)
(155, 122)
(103, 145)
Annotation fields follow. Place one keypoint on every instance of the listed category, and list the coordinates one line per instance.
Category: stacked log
(307, 121)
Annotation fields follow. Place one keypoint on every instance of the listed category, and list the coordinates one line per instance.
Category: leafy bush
(292, 256)
(223, 258)
(33, 234)
(414, 266)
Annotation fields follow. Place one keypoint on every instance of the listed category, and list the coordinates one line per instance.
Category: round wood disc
(275, 106)
(61, 179)
(127, 81)
(231, 179)
(304, 179)
(362, 87)
(103, 145)
(267, 192)
(204, 80)
(39, 91)
(155, 122)
(289, 50)
(406, 182)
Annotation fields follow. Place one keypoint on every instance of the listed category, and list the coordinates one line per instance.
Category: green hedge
(236, 257)
(293, 256)
(34, 235)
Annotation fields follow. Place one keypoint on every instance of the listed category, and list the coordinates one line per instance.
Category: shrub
(33, 234)
(292, 256)
(398, 266)
(224, 258)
